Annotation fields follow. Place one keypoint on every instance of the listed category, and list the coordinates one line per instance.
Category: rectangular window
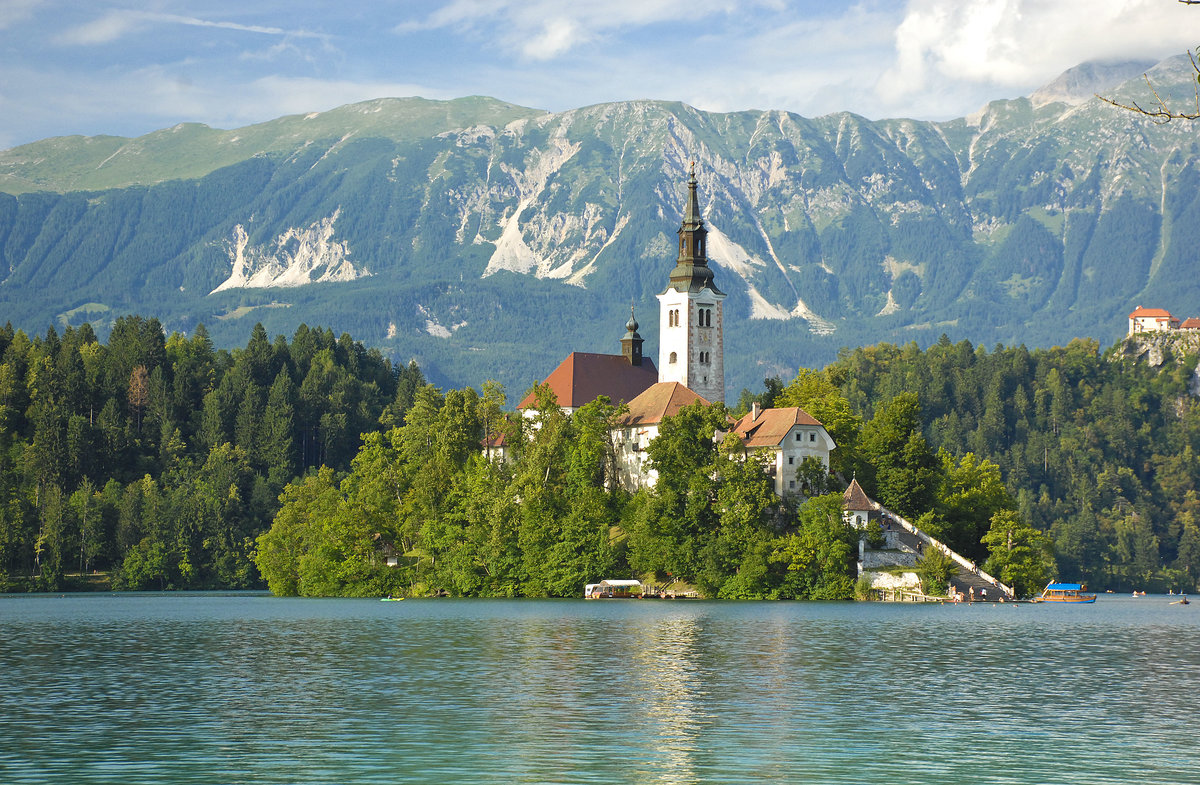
(812, 437)
(797, 437)
(791, 459)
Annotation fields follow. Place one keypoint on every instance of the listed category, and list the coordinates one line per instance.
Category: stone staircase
(903, 536)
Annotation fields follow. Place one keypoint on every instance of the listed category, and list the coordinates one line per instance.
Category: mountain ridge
(471, 234)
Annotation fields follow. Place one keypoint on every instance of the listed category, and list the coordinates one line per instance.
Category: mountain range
(488, 240)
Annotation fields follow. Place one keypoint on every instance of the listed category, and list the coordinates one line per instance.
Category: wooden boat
(1064, 592)
(613, 589)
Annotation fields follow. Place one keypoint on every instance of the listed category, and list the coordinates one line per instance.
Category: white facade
(691, 341)
(1151, 320)
(803, 441)
(633, 465)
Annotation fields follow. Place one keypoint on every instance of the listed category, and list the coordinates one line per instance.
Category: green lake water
(209, 688)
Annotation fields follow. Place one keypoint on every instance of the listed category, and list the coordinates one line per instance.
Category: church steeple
(691, 325)
(631, 343)
(692, 273)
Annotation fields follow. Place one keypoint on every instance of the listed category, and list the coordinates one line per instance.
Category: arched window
(673, 358)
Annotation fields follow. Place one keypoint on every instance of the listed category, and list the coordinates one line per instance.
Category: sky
(128, 67)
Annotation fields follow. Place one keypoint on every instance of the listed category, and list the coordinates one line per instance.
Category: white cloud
(1024, 43)
(14, 11)
(117, 24)
(544, 29)
(106, 29)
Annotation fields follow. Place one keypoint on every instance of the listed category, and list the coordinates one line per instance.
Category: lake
(248, 688)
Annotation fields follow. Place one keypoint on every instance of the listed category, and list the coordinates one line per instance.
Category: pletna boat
(1064, 592)
(613, 589)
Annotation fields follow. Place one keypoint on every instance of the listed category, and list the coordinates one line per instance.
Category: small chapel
(691, 368)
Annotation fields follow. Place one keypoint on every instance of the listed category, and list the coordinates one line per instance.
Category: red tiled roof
(1150, 313)
(583, 377)
(1191, 323)
(771, 426)
(658, 402)
(855, 498)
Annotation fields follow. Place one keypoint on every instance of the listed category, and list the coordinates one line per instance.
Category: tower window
(673, 358)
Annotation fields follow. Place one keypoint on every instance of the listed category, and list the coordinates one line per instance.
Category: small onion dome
(632, 325)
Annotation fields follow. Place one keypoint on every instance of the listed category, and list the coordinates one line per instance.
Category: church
(691, 368)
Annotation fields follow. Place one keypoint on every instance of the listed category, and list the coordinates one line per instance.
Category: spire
(631, 343)
(691, 216)
(692, 272)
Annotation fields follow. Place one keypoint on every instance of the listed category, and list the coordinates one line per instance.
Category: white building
(1144, 320)
(790, 434)
(691, 347)
(640, 426)
(691, 368)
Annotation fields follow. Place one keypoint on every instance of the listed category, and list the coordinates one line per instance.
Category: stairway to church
(967, 577)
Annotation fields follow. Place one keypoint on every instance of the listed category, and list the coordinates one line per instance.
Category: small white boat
(613, 590)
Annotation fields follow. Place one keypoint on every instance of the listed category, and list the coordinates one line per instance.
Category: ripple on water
(202, 688)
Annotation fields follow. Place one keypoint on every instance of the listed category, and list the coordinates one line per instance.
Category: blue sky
(128, 67)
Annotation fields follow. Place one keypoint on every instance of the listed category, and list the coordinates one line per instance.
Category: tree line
(156, 460)
(317, 467)
(1097, 451)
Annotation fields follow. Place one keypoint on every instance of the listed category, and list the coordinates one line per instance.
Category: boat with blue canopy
(1064, 592)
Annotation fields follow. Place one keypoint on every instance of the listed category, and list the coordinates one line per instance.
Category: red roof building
(583, 377)
(791, 435)
(1191, 323)
(639, 426)
(1144, 320)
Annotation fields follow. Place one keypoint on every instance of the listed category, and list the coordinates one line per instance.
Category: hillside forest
(315, 467)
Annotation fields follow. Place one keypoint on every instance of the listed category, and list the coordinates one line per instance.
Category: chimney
(754, 412)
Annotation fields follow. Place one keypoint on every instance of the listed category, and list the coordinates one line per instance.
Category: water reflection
(186, 689)
(664, 664)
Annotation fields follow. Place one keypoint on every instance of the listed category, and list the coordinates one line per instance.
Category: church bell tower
(691, 324)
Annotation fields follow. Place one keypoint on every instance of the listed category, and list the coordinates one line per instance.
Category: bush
(935, 569)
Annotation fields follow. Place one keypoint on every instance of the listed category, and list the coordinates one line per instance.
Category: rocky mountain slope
(488, 240)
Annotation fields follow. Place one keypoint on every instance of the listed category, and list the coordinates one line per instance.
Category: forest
(316, 467)
(152, 462)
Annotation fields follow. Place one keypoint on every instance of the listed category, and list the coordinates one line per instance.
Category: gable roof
(855, 498)
(658, 402)
(584, 376)
(1150, 313)
(771, 426)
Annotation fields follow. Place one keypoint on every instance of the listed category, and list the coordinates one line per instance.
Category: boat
(390, 599)
(1064, 592)
(613, 589)
(1183, 601)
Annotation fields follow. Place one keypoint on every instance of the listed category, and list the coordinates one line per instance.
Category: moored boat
(613, 589)
(1064, 592)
